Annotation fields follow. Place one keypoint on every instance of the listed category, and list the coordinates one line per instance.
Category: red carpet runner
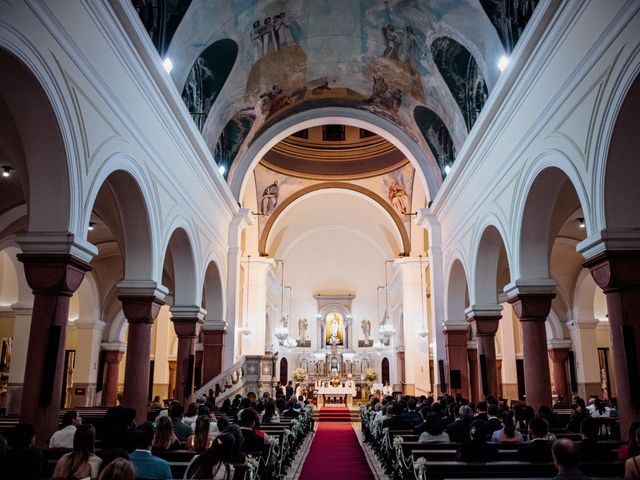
(335, 453)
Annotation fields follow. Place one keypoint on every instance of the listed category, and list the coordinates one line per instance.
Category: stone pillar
(472, 354)
(172, 379)
(53, 278)
(113, 353)
(187, 322)
(256, 309)
(532, 306)
(617, 272)
(457, 356)
(87, 355)
(585, 351)
(559, 354)
(212, 351)
(141, 305)
(487, 321)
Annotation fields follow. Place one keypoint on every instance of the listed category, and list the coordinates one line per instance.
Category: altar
(340, 394)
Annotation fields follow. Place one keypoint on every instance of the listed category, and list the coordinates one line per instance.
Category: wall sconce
(6, 171)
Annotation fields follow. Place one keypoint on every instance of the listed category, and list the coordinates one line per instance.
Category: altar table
(343, 394)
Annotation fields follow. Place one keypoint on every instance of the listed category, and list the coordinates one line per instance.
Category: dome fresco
(388, 57)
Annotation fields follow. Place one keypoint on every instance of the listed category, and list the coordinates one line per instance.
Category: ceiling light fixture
(503, 62)
(91, 225)
(167, 64)
(221, 169)
(6, 171)
(580, 222)
(447, 169)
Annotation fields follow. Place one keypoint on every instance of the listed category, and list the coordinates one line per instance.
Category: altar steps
(337, 414)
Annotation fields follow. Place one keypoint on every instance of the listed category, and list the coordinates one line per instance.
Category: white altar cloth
(336, 391)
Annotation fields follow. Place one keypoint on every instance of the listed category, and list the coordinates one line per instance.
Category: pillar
(474, 374)
(172, 379)
(617, 272)
(19, 346)
(456, 336)
(585, 356)
(140, 305)
(113, 353)
(187, 322)
(53, 278)
(532, 308)
(87, 355)
(212, 351)
(255, 309)
(559, 354)
(487, 321)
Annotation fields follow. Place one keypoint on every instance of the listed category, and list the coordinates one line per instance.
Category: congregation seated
(422, 427)
(165, 438)
(566, 455)
(63, 438)
(292, 410)
(477, 449)
(481, 412)
(215, 462)
(590, 449)
(120, 429)
(458, 431)
(145, 463)
(433, 430)
(538, 449)
(200, 440)
(270, 413)
(22, 460)
(191, 415)
(412, 417)
(181, 429)
(253, 442)
(508, 432)
(82, 461)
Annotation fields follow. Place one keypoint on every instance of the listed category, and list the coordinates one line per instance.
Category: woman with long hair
(201, 440)
(118, 469)
(508, 434)
(270, 413)
(632, 449)
(81, 462)
(165, 438)
(215, 462)
(580, 412)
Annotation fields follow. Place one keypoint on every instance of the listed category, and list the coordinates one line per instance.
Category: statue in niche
(270, 198)
(303, 335)
(398, 197)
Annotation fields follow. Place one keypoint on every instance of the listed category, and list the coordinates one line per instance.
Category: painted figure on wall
(334, 329)
(398, 197)
(366, 329)
(282, 29)
(271, 36)
(303, 327)
(270, 198)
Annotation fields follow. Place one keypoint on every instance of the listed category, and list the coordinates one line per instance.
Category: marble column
(487, 321)
(617, 272)
(141, 305)
(456, 336)
(532, 306)
(213, 337)
(474, 373)
(559, 354)
(53, 278)
(113, 353)
(187, 322)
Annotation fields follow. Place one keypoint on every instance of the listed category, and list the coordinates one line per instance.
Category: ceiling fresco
(388, 57)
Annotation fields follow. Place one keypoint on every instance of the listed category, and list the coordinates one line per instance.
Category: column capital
(610, 239)
(57, 243)
(113, 346)
(140, 309)
(188, 312)
(113, 356)
(615, 269)
(556, 344)
(215, 326)
(59, 273)
(486, 317)
(531, 298)
(559, 355)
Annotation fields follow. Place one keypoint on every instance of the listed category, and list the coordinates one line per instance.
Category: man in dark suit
(493, 421)
(181, 429)
(481, 412)
(292, 410)
(458, 431)
(289, 390)
(396, 422)
(253, 443)
(538, 450)
(590, 449)
(565, 457)
(411, 416)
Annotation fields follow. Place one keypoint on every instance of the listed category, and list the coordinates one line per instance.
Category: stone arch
(180, 259)
(487, 280)
(406, 243)
(457, 293)
(240, 170)
(213, 294)
(41, 154)
(89, 299)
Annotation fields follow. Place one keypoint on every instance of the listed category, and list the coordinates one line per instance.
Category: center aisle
(335, 453)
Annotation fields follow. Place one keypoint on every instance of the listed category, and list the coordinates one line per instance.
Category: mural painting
(509, 17)
(437, 136)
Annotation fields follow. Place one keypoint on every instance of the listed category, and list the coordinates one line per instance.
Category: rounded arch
(89, 300)
(457, 293)
(437, 135)
(123, 201)
(179, 256)
(425, 169)
(551, 191)
(44, 155)
(406, 243)
(213, 293)
(487, 279)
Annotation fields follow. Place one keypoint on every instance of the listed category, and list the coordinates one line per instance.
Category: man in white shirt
(63, 438)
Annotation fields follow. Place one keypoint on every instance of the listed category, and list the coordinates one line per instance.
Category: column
(487, 320)
(141, 302)
(53, 278)
(256, 309)
(585, 356)
(456, 336)
(617, 272)
(472, 354)
(416, 348)
(559, 354)
(86, 371)
(212, 350)
(172, 379)
(532, 304)
(19, 346)
(113, 353)
(187, 322)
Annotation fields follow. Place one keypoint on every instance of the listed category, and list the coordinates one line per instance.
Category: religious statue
(335, 381)
(270, 198)
(398, 197)
(366, 329)
(303, 326)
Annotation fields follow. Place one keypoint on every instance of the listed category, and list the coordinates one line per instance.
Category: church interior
(372, 199)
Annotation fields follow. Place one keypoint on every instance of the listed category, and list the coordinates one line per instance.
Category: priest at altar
(335, 391)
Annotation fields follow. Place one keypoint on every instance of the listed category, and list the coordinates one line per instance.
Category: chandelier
(245, 330)
(289, 343)
(281, 333)
(387, 331)
(378, 347)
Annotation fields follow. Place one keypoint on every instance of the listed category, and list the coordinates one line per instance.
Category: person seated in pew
(23, 460)
(145, 463)
(632, 448)
(560, 403)
(118, 469)
(191, 416)
(493, 422)
(237, 457)
(253, 443)
(411, 416)
(433, 430)
(292, 410)
(63, 438)
(215, 462)
(632, 465)
(200, 440)
(458, 431)
(538, 450)
(82, 461)
(270, 413)
(481, 412)
(165, 438)
(396, 422)
(508, 433)
(566, 455)
(590, 449)
(422, 427)
(477, 450)
(181, 429)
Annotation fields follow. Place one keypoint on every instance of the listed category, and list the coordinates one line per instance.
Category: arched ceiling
(391, 57)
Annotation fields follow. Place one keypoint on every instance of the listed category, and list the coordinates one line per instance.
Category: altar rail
(251, 373)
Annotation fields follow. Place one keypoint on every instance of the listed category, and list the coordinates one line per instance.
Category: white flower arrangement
(299, 375)
(397, 441)
(420, 465)
(252, 463)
